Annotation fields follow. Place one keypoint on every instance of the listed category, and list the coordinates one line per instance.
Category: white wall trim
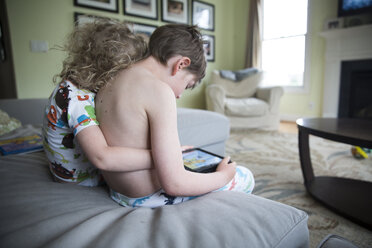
(293, 118)
(308, 40)
(289, 117)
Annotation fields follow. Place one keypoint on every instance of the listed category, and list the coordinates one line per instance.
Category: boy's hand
(184, 148)
(227, 168)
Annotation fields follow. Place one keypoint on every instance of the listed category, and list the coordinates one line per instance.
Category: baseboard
(290, 118)
(293, 118)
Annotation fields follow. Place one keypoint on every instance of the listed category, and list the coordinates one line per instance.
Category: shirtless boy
(138, 109)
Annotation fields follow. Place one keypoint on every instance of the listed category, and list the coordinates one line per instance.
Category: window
(284, 39)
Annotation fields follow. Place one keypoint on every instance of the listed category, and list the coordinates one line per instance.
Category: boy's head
(178, 39)
(98, 51)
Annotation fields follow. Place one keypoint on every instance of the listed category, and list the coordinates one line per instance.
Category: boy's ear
(180, 64)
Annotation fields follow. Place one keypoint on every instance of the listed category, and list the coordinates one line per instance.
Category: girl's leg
(157, 199)
(242, 182)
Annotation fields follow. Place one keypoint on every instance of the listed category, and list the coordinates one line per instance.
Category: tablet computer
(199, 160)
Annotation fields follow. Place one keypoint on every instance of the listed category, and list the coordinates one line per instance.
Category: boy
(138, 109)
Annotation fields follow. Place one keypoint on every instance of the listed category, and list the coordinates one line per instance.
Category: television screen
(354, 7)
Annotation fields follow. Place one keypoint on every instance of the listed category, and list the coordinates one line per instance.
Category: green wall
(52, 20)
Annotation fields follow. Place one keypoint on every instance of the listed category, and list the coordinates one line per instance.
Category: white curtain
(254, 35)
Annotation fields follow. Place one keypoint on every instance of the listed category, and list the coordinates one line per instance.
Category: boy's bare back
(121, 108)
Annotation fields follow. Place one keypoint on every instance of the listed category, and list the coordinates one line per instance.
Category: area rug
(273, 158)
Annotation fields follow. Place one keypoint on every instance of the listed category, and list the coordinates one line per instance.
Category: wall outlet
(39, 46)
(311, 105)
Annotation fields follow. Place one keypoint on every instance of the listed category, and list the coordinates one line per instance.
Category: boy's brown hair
(98, 51)
(179, 39)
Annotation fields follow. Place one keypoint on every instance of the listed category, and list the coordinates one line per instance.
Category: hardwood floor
(288, 127)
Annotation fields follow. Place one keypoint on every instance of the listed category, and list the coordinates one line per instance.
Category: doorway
(7, 77)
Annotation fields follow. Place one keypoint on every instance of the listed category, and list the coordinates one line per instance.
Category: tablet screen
(197, 159)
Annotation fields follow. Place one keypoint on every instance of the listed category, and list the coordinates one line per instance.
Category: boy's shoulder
(147, 88)
(141, 78)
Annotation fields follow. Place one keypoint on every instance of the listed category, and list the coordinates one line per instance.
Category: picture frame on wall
(141, 8)
(209, 47)
(144, 30)
(80, 18)
(175, 11)
(106, 5)
(333, 23)
(203, 15)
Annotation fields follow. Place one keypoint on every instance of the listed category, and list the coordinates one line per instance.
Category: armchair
(245, 103)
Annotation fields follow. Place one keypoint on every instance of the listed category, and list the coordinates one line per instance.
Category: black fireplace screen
(355, 99)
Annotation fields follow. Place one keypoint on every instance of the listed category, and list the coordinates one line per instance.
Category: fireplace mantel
(344, 44)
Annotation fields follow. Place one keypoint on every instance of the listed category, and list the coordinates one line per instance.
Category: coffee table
(349, 197)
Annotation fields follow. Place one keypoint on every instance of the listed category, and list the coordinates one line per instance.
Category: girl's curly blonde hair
(98, 51)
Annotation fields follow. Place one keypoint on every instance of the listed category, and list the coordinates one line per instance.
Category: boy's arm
(111, 158)
(166, 150)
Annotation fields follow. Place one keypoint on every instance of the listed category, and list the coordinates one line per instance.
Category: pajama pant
(243, 181)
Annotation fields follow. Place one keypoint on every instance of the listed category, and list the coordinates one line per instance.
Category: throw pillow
(245, 88)
(242, 74)
(238, 76)
(8, 124)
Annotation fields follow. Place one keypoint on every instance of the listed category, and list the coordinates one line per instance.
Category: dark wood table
(349, 197)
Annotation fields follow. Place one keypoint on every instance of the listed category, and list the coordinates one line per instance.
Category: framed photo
(209, 47)
(176, 11)
(141, 8)
(203, 15)
(106, 5)
(84, 18)
(143, 29)
(333, 23)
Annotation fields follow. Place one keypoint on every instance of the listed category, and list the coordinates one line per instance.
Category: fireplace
(347, 47)
(355, 99)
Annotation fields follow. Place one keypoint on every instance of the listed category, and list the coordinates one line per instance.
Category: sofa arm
(202, 128)
(215, 97)
(272, 96)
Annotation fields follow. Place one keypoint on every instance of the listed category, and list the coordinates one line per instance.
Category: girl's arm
(166, 150)
(111, 158)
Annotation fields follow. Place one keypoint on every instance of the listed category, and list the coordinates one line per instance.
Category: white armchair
(245, 103)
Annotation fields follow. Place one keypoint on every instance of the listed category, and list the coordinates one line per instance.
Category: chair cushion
(245, 107)
(242, 89)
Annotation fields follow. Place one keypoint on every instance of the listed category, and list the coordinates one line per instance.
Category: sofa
(35, 211)
(244, 102)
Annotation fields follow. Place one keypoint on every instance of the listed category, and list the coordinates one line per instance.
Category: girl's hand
(227, 168)
(184, 148)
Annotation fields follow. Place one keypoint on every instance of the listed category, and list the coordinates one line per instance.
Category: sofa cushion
(244, 88)
(246, 107)
(37, 212)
